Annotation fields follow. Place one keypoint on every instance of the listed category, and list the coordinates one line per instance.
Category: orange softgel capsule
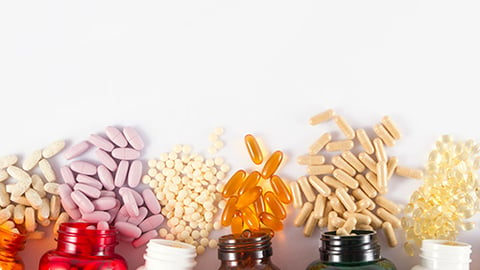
(248, 197)
(254, 149)
(259, 204)
(272, 164)
(237, 222)
(229, 211)
(275, 205)
(234, 183)
(271, 221)
(281, 189)
(250, 182)
(250, 219)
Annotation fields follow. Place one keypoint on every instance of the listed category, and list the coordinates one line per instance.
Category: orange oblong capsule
(254, 149)
(259, 205)
(234, 183)
(248, 197)
(250, 182)
(272, 164)
(229, 211)
(271, 221)
(250, 219)
(281, 189)
(237, 223)
(276, 207)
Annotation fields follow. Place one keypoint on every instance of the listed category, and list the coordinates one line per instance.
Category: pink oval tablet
(82, 201)
(91, 227)
(77, 150)
(151, 201)
(96, 216)
(85, 179)
(105, 177)
(143, 212)
(135, 173)
(67, 176)
(130, 204)
(102, 226)
(127, 229)
(106, 159)
(83, 167)
(114, 211)
(64, 191)
(151, 222)
(74, 213)
(104, 203)
(88, 190)
(101, 142)
(133, 138)
(125, 153)
(142, 240)
(107, 193)
(116, 136)
(136, 195)
(122, 215)
(121, 173)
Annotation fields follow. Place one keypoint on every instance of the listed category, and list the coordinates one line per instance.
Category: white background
(178, 69)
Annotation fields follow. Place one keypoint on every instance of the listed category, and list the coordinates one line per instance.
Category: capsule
(390, 234)
(409, 172)
(379, 150)
(275, 205)
(306, 188)
(360, 195)
(353, 161)
(376, 222)
(271, 221)
(272, 164)
(229, 211)
(310, 225)
(311, 160)
(281, 189)
(319, 207)
(254, 149)
(344, 197)
(343, 125)
(365, 141)
(342, 164)
(392, 164)
(382, 132)
(318, 185)
(361, 218)
(250, 219)
(372, 179)
(388, 205)
(320, 169)
(259, 205)
(382, 177)
(250, 182)
(346, 179)
(391, 127)
(362, 205)
(248, 197)
(320, 143)
(234, 183)
(337, 205)
(322, 117)
(297, 195)
(343, 145)
(237, 223)
(368, 161)
(386, 216)
(332, 182)
(349, 224)
(303, 214)
(366, 186)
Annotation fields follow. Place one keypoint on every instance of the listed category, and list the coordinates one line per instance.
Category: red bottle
(82, 248)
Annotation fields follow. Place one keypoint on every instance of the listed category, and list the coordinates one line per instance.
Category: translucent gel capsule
(254, 149)
(276, 207)
(237, 223)
(259, 204)
(272, 164)
(250, 219)
(229, 211)
(234, 183)
(250, 182)
(248, 197)
(281, 189)
(271, 221)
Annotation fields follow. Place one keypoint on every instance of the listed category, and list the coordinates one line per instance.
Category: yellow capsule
(281, 189)
(343, 164)
(391, 127)
(237, 223)
(250, 182)
(346, 179)
(343, 145)
(254, 149)
(365, 141)
(259, 205)
(320, 143)
(362, 205)
(276, 207)
(344, 197)
(361, 218)
(250, 219)
(318, 185)
(353, 161)
(322, 117)
(408, 248)
(343, 125)
(234, 183)
(271, 221)
(248, 197)
(271, 165)
(372, 179)
(382, 132)
(229, 211)
(349, 224)
(360, 195)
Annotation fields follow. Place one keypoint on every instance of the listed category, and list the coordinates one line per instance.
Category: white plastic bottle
(171, 255)
(444, 255)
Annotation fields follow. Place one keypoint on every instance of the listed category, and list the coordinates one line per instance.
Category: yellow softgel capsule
(229, 211)
(272, 164)
(250, 219)
(275, 205)
(271, 221)
(259, 204)
(281, 189)
(251, 181)
(234, 183)
(248, 197)
(237, 223)
(254, 149)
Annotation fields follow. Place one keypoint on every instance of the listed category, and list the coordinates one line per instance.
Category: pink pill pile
(105, 193)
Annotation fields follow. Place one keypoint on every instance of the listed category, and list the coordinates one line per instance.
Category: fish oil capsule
(337, 206)
(259, 205)
(237, 223)
(382, 177)
(248, 197)
(386, 216)
(391, 127)
(379, 150)
(254, 149)
(311, 160)
(322, 117)
(409, 172)
(275, 205)
(297, 195)
(376, 222)
(343, 145)
(383, 134)
(366, 186)
(353, 161)
(250, 182)
(408, 248)
(303, 214)
(320, 169)
(229, 211)
(250, 219)
(365, 141)
(332, 182)
(320, 143)
(390, 234)
(271, 221)
(310, 225)
(234, 183)
(306, 188)
(319, 207)
(361, 218)
(281, 189)
(388, 205)
(272, 164)
(368, 161)
(344, 197)
(346, 179)
(340, 163)
(319, 186)
(392, 164)
(344, 127)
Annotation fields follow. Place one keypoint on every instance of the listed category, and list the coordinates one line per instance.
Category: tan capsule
(391, 127)
(362, 205)
(343, 145)
(379, 150)
(36, 235)
(322, 222)
(30, 224)
(32, 160)
(311, 160)
(361, 218)
(388, 205)
(391, 166)
(409, 172)
(366, 186)
(376, 222)
(372, 179)
(332, 182)
(364, 227)
(383, 134)
(342, 232)
(334, 221)
(368, 161)
(390, 234)
(310, 225)
(337, 206)
(344, 127)
(365, 141)
(297, 195)
(320, 169)
(360, 195)
(47, 170)
(387, 216)
(322, 117)
(319, 207)
(346, 179)
(340, 163)
(330, 217)
(303, 214)
(319, 186)
(349, 224)
(323, 140)
(353, 161)
(344, 197)
(382, 177)
(306, 188)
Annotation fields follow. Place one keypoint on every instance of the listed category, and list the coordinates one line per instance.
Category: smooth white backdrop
(178, 69)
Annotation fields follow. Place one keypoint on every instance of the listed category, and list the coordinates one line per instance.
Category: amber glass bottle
(11, 243)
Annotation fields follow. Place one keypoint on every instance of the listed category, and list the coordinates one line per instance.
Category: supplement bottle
(247, 250)
(79, 247)
(360, 252)
(444, 255)
(11, 243)
(171, 255)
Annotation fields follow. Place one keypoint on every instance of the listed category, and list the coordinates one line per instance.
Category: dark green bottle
(359, 252)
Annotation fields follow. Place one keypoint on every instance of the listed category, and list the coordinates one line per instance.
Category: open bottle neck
(361, 247)
(253, 247)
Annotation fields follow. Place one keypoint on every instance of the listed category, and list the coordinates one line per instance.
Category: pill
(250, 182)
(380, 153)
(391, 127)
(30, 224)
(346, 179)
(319, 207)
(361, 218)
(275, 205)
(83, 167)
(248, 197)
(271, 221)
(3, 175)
(151, 222)
(304, 213)
(281, 189)
(368, 161)
(344, 197)
(106, 159)
(311, 160)
(272, 164)
(44, 210)
(133, 138)
(4, 199)
(121, 173)
(144, 238)
(88, 190)
(334, 221)
(55, 207)
(47, 170)
(18, 173)
(127, 229)
(320, 169)
(344, 127)
(373, 181)
(64, 191)
(259, 205)
(319, 185)
(19, 214)
(391, 166)
(322, 117)
(387, 216)
(342, 145)
(229, 211)
(310, 225)
(7, 161)
(82, 201)
(353, 161)
(122, 214)
(142, 214)
(51, 188)
(32, 160)
(76, 150)
(349, 224)
(390, 234)
(321, 142)
(107, 193)
(135, 173)
(37, 184)
(33, 198)
(138, 198)
(366, 186)
(409, 172)
(362, 204)
(100, 142)
(74, 213)
(125, 153)
(250, 219)
(388, 205)
(151, 201)
(365, 141)
(234, 183)
(67, 175)
(237, 223)
(105, 177)
(130, 204)
(88, 180)
(116, 136)
(382, 177)
(340, 163)
(96, 216)
(360, 195)
(337, 205)
(330, 181)
(297, 195)
(306, 188)
(102, 226)
(364, 227)
(383, 134)
(254, 149)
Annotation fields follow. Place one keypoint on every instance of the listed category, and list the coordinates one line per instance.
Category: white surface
(178, 69)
